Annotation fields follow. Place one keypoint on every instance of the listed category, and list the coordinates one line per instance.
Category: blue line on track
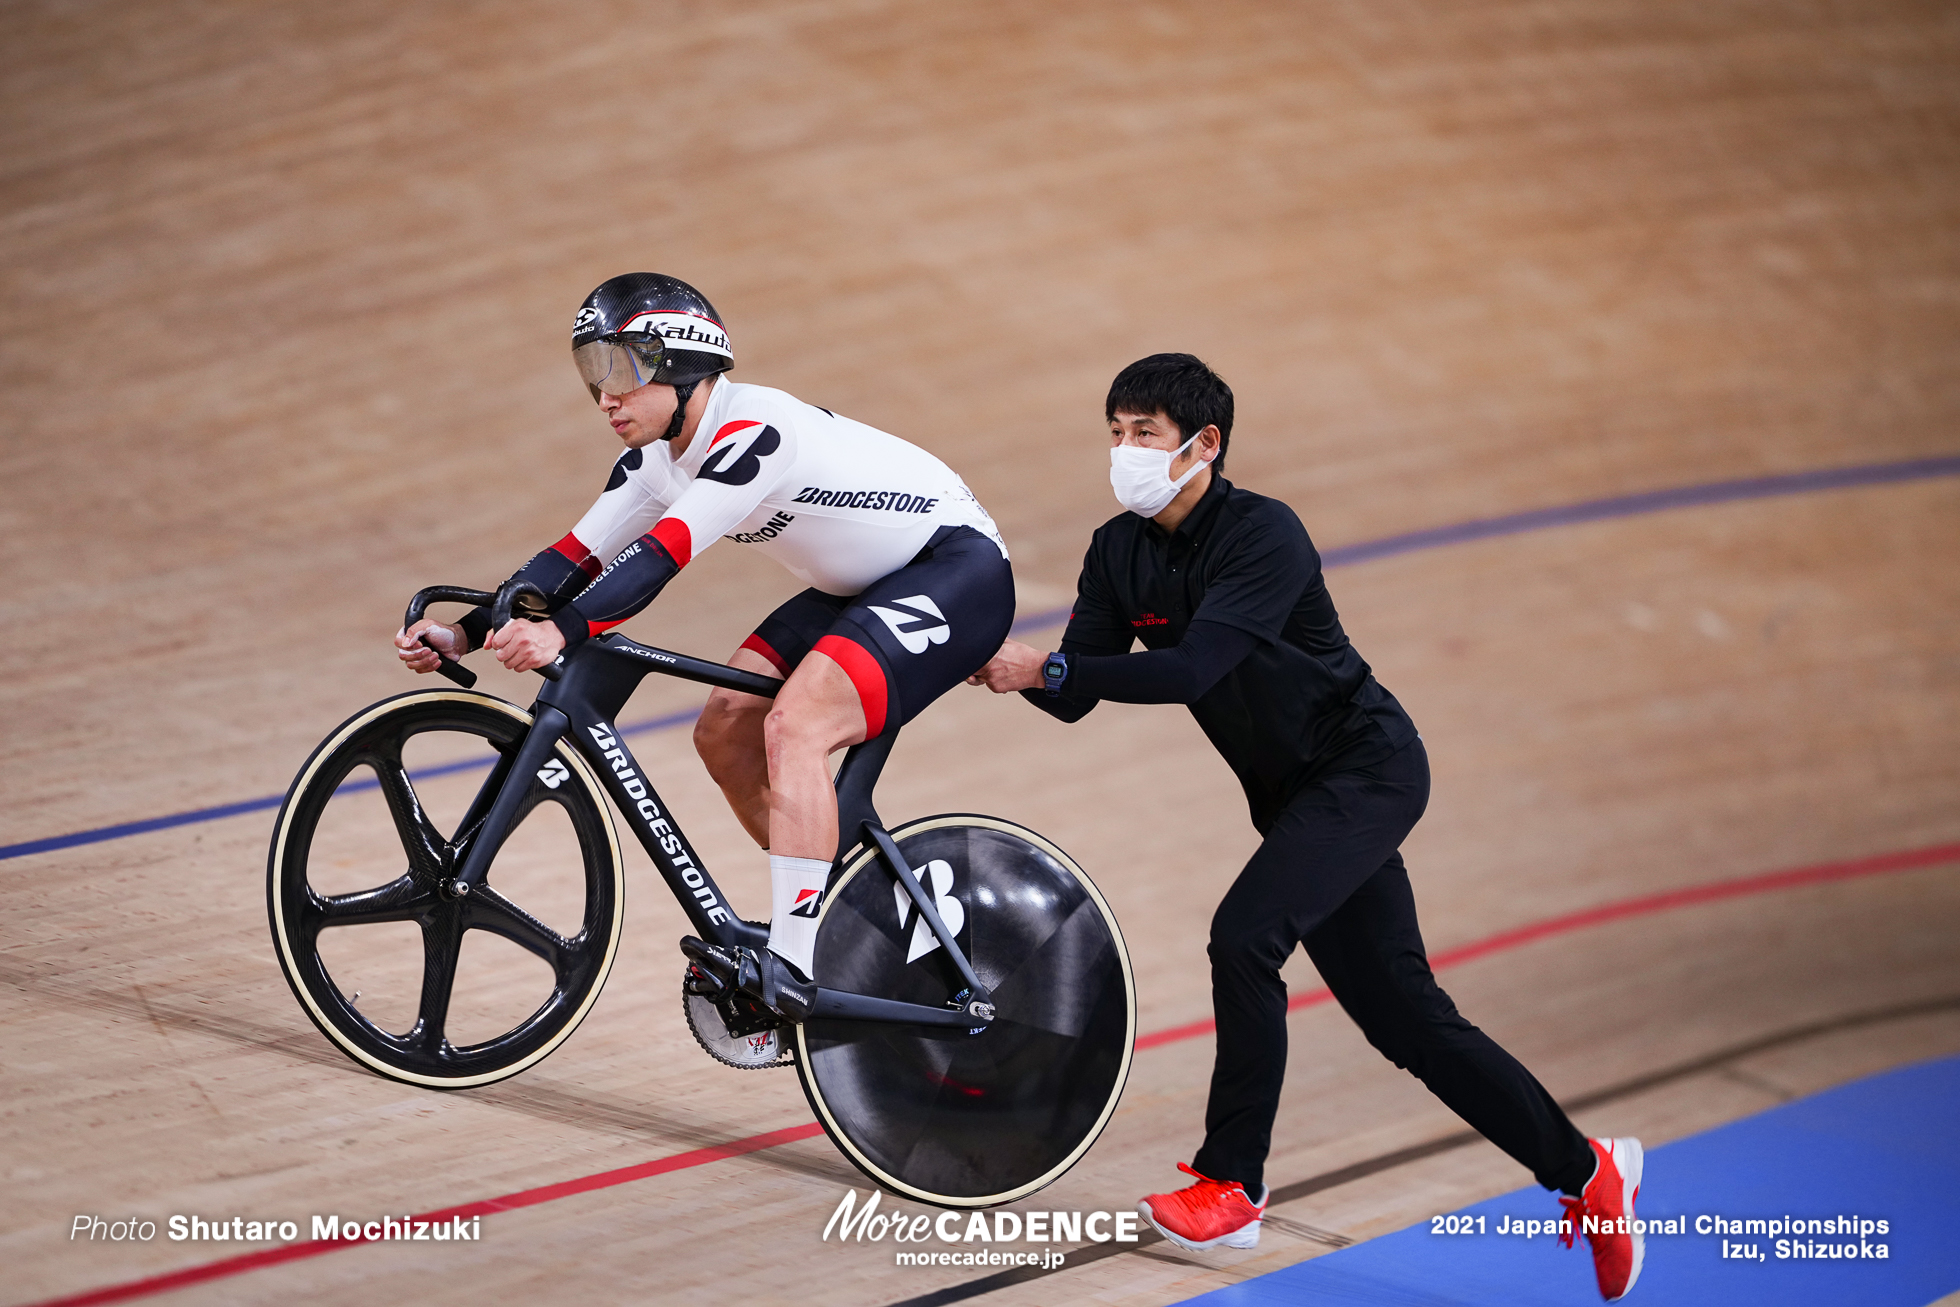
(1651, 501)
(102, 833)
(1538, 519)
(1879, 1149)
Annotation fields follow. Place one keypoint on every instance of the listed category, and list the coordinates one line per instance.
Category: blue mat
(1886, 1148)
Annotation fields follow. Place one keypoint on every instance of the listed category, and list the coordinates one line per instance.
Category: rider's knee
(710, 742)
(719, 732)
(791, 730)
(785, 729)
(714, 721)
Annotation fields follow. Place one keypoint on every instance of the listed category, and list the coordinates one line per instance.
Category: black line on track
(1091, 1253)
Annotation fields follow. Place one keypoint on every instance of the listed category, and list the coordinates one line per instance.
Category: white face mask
(1141, 477)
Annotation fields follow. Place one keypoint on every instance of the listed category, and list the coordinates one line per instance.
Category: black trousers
(1329, 876)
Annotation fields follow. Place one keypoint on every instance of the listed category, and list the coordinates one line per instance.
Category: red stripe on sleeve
(600, 628)
(675, 538)
(865, 674)
(757, 644)
(578, 555)
(730, 430)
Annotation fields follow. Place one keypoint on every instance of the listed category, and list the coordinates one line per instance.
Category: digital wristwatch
(1054, 670)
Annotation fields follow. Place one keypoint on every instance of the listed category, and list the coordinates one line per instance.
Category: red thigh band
(865, 674)
(757, 644)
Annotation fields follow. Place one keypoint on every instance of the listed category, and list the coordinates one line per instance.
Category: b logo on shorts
(917, 622)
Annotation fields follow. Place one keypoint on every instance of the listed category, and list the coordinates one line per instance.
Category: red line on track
(1637, 907)
(1644, 905)
(509, 1202)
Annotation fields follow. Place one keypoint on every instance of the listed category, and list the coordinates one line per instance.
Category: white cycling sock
(795, 895)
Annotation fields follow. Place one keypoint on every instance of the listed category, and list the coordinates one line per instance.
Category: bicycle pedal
(757, 973)
(770, 979)
(712, 960)
(701, 982)
(747, 1016)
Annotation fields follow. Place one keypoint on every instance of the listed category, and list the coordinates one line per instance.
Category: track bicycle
(975, 1013)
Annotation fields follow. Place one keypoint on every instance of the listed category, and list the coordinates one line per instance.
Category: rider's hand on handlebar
(523, 646)
(445, 637)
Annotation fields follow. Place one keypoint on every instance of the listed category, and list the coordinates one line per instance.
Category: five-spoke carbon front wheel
(404, 975)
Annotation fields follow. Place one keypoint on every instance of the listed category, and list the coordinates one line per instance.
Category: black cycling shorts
(909, 637)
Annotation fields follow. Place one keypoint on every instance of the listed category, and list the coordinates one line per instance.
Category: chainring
(715, 1023)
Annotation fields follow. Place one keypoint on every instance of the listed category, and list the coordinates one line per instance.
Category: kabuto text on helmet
(643, 327)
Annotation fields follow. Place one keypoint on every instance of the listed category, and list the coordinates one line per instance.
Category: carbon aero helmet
(643, 327)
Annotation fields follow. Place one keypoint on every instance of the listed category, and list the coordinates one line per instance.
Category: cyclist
(1225, 590)
(910, 589)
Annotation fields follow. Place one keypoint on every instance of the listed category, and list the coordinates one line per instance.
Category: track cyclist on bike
(910, 587)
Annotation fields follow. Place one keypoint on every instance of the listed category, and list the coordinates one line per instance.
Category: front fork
(548, 726)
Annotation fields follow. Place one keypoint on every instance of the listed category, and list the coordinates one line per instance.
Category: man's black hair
(1182, 388)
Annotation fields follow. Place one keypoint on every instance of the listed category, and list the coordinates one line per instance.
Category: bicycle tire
(950, 1117)
(298, 914)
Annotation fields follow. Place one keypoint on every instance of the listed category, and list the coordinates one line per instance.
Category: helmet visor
(620, 364)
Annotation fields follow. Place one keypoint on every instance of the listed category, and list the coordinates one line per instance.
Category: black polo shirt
(1302, 703)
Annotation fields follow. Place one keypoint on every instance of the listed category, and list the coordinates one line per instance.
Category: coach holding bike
(1225, 591)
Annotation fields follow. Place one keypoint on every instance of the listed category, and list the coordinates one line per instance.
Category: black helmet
(645, 326)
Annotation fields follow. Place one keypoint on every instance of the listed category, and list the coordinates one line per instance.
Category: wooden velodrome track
(286, 296)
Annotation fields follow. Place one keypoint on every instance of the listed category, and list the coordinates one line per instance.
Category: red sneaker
(1617, 1248)
(1206, 1214)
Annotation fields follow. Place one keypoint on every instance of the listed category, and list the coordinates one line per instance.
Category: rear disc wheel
(945, 1115)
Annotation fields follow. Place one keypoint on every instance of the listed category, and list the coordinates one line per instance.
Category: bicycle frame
(582, 702)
